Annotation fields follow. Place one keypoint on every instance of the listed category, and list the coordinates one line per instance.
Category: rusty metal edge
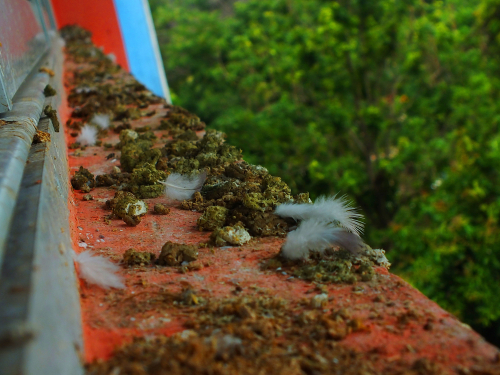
(40, 329)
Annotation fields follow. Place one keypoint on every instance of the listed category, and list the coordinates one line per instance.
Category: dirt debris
(133, 257)
(174, 254)
(41, 137)
(244, 336)
(160, 209)
(52, 114)
(83, 180)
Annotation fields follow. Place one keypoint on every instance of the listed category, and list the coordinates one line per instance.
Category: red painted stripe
(98, 16)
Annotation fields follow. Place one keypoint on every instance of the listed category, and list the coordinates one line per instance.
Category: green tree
(393, 103)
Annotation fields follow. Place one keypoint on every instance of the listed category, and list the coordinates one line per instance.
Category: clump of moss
(160, 209)
(128, 136)
(83, 180)
(144, 182)
(259, 224)
(128, 208)
(134, 258)
(49, 91)
(52, 115)
(250, 194)
(365, 270)
(257, 202)
(122, 126)
(213, 218)
(173, 254)
(334, 266)
(136, 153)
(123, 112)
(377, 256)
(235, 235)
(179, 118)
(115, 178)
(137, 149)
(196, 203)
(187, 153)
(328, 271)
(188, 135)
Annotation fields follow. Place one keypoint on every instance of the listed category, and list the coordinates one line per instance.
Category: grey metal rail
(17, 128)
(40, 318)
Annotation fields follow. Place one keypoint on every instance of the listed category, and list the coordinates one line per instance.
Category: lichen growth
(257, 202)
(213, 218)
(187, 154)
(144, 182)
(137, 152)
(377, 256)
(328, 271)
(128, 136)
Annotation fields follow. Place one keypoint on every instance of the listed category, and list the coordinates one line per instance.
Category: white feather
(318, 235)
(84, 89)
(98, 270)
(88, 136)
(326, 209)
(101, 120)
(181, 187)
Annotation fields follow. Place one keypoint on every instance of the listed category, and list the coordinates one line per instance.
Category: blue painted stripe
(141, 45)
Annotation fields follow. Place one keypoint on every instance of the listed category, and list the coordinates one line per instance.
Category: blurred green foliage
(394, 103)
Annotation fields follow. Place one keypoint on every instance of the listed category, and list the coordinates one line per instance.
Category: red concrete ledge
(390, 325)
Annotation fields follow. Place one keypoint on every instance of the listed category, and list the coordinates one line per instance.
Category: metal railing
(26, 30)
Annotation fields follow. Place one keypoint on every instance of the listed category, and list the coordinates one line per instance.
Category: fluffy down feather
(181, 187)
(325, 209)
(98, 270)
(318, 235)
(88, 136)
(101, 120)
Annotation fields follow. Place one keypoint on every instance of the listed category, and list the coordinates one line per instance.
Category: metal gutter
(40, 329)
(17, 128)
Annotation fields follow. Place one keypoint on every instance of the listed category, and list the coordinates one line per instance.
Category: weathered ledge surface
(235, 309)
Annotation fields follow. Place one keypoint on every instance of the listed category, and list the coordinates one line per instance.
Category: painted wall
(98, 16)
(124, 28)
(141, 45)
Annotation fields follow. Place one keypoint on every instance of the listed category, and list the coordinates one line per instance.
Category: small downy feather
(318, 236)
(101, 120)
(98, 270)
(88, 136)
(326, 209)
(181, 187)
